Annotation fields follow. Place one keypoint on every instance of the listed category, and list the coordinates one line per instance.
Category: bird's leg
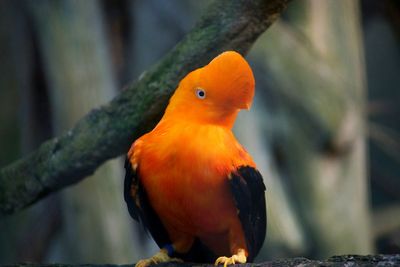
(239, 257)
(238, 246)
(164, 255)
(181, 243)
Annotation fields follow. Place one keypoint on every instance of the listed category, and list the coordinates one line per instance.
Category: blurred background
(324, 128)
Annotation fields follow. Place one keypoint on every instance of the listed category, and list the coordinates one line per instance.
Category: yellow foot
(240, 257)
(161, 256)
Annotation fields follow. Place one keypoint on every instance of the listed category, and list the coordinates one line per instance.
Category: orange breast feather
(184, 169)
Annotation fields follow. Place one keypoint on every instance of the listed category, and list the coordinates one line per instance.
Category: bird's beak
(245, 105)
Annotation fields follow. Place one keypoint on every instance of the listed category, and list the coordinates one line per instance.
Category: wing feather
(248, 190)
(139, 206)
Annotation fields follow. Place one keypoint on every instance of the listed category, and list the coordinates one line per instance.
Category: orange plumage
(179, 173)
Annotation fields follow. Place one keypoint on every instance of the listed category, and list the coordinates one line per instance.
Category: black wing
(140, 209)
(248, 191)
(139, 206)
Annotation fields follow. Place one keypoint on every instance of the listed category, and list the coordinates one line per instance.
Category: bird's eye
(200, 93)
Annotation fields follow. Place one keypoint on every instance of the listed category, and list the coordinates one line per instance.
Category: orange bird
(190, 182)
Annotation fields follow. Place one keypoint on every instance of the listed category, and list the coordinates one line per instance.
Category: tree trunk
(77, 63)
(316, 97)
(24, 236)
(11, 75)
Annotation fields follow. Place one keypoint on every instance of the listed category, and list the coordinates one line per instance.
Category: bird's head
(216, 92)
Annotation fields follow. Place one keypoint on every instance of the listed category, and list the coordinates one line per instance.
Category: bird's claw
(161, 256)
(225, 261)
(236, 258)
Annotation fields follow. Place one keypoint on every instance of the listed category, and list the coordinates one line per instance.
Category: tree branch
(107, 132)
(346, 260)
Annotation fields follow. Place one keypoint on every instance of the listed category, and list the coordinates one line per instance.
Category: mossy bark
(335, 261)
(107, 131)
